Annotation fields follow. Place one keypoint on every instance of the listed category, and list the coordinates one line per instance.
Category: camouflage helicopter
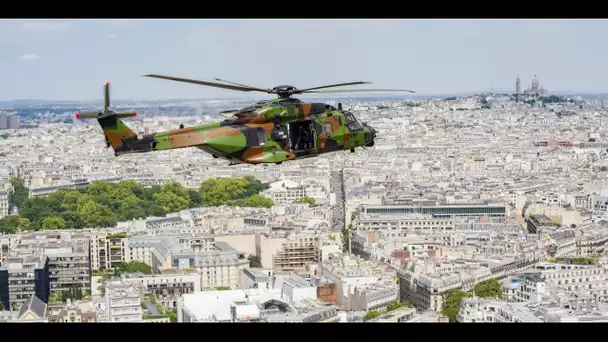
(271, 131)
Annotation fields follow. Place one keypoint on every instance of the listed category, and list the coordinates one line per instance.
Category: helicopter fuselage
(274, 132)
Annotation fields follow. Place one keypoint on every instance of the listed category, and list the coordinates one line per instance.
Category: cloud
(111, 36)
(123, 23)
(31, 57)
(43, 26)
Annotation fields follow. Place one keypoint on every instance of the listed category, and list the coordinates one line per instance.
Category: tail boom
(118, 135)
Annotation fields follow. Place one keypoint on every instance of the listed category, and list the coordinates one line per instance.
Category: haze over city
(71, 59)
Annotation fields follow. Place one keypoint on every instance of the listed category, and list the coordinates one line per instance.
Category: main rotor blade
(353, 91)
(205, 83)
(331, 86)
(243, 85)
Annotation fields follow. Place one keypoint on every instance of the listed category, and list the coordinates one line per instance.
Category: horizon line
(315, 95)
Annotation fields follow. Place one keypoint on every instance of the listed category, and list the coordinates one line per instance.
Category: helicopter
(271, 131)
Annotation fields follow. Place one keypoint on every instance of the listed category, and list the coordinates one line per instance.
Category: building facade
(24, 276)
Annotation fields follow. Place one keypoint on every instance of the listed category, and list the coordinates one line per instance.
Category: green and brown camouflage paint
(246, 137)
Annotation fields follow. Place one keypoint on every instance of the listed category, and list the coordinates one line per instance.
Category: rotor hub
(284, 91)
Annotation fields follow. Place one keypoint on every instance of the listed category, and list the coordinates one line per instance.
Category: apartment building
(523, 287)
(5, 242)
(539, 222)
(9, 121)
(107, 250)
(425, 289)
(197, 243)
(22, 276)
(6, 191)
(295, 255)
(402, 222)
(219, 268)
(68, 254)
(590, 244)
(360, 285)
(284, 192)
(123, 301)
(73, 312)
(255, 221)
(482, 310)
(252, 278)
(168, 286)
(296, 289)
(326, 246)
(165, 223)
(154, 251)
(591, 280)
(598, 205)
(286, 252)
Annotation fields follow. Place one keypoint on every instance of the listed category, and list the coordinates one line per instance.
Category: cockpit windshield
(352, 122)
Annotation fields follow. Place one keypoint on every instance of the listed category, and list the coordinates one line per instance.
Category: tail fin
(118, 135)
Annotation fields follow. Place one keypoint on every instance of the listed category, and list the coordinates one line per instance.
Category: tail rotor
(106, 97)
(107, 112)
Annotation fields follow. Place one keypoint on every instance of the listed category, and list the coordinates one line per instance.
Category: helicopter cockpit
(353, 123)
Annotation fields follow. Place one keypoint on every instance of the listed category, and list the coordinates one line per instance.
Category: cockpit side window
(261, 136)
(352, 122)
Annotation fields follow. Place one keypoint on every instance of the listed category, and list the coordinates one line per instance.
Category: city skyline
(71, 59)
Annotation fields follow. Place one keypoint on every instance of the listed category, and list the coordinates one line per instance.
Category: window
(262, 137)
(328, 129)
(352, 122)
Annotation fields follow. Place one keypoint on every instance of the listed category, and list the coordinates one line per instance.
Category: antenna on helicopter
(339, 106)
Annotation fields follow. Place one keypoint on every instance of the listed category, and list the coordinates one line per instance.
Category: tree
(254, 186)
(134, 266)
(170, 202)
(196, 200)
(242, 192)
(173, 197)
(371, 315)
(102, 204)
(254, 201)
(219, 191)
(254, 261)
(53, 223)
(12, 224)
(35, 209)
(20, 193)
(488, 289)
(98, 188)
(396, 305)
(451, 303)
(305, 200)
(346, 238)
(97, 215)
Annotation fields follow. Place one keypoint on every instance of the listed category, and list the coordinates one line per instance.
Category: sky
(71, 60)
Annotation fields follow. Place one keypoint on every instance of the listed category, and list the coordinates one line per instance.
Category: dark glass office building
(23, 276)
